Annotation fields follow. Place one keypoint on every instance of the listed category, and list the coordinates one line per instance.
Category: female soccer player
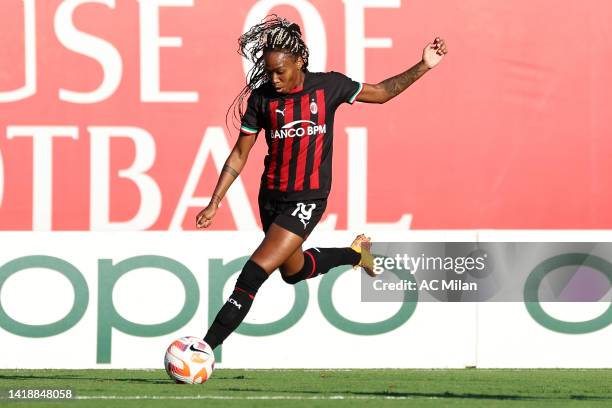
(296, 109)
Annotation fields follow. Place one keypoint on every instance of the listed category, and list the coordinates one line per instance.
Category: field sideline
(247, 388)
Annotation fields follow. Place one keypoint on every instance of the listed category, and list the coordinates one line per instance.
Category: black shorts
(299, 217)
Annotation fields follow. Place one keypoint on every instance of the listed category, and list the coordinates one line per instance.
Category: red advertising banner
(112, 113)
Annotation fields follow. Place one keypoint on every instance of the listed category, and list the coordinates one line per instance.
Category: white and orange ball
(189, 360)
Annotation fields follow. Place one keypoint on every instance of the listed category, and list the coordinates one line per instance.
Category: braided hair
(274, 33)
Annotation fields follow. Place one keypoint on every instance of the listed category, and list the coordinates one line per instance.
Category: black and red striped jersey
(299, 133)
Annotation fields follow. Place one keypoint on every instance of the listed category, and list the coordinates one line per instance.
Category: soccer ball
(189, 360)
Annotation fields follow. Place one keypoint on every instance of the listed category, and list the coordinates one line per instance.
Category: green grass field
(347, 388)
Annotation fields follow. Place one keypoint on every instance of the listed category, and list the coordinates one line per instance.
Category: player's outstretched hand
(434, 52)
(204, 217)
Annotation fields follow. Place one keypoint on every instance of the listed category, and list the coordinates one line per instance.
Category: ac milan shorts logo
(304, 212)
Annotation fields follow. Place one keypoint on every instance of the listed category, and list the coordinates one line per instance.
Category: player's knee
(251, 278)
(291, 279)
(306, 271)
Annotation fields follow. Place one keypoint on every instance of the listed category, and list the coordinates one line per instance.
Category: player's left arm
(391, 87)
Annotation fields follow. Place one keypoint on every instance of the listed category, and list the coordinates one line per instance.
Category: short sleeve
(344, 88)
(250, 123)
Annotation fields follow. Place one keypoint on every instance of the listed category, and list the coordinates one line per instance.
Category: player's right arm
(233, 166)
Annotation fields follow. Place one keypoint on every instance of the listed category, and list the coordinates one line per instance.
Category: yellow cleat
(362, 245)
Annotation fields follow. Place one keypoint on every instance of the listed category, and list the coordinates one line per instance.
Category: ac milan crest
(313, 108)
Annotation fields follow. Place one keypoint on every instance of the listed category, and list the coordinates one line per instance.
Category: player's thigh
(276, 248)
(293, 264)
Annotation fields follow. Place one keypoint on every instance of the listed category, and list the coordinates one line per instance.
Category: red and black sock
(318, 261)
(238, 304)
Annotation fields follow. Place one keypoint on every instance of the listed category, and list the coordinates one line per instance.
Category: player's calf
(318, 261)
(238, 304)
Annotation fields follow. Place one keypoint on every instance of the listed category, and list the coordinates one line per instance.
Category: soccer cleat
(362, 245)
